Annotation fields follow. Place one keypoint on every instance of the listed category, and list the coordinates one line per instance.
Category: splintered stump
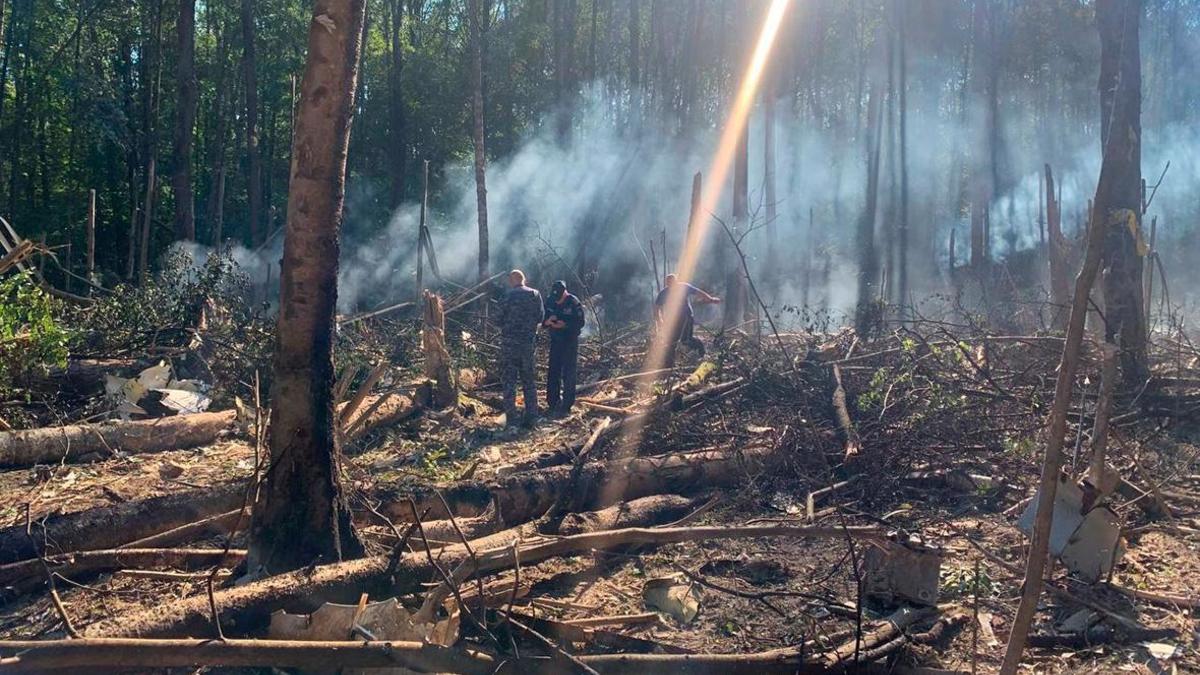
(77, 441)
(437, 359)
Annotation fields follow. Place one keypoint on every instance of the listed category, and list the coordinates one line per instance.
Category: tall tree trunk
(302, 515)
(982, 82)
(477, 135)
(398, 128)
(221, 113)
(153, 74)
(185, 120)
(868, 255)
(1118, 205)
(902, 19)
(769, 192)
(253, 160)
(635, 45)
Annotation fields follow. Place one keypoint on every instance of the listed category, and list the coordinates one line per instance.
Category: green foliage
(31, 338)
(962, 582)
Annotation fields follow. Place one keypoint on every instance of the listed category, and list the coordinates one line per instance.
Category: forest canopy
(596, 115)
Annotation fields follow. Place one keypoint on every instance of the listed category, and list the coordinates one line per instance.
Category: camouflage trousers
(516, 363)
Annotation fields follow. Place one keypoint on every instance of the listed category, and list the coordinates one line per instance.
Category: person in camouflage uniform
(521, 312)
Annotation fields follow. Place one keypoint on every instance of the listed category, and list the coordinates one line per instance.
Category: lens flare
(718, 172)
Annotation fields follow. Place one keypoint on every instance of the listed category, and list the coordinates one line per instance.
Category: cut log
(113, 526)
(56, 444)
(247, 608)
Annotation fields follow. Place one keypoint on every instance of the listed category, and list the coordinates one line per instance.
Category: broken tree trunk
(56, 444)
(437, 358)
(247, 608)
(1057, 251)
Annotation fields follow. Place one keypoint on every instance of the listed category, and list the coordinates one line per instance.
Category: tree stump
(444, 389)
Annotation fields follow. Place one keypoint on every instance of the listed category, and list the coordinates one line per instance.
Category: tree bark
(635, 45)
(1118, 205)
(438, 367)
(185, 121)
(253, 159)
(302, 515)
(476, 21)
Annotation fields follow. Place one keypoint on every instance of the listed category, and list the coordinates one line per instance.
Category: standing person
(564, 321)
(520, 314)
(679, 294)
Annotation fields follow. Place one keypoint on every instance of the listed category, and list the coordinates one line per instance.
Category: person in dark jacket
(520, 315)
(564, 321)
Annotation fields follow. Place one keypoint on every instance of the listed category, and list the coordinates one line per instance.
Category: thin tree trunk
(399, 117)
(185, 120)
(477, 134)
(902, 18)
(302, 515)
(868, 256)
(635, 45)
(254, 161)
(150, 129)
(770, 91)
(216, 194)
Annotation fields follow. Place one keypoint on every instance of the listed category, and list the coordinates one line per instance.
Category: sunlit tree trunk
(185, 120)
(302, 515)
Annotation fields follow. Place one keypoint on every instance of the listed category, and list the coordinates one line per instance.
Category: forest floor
(948, 421)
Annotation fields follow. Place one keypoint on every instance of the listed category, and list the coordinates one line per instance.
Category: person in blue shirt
(679, 294)
(564, 321)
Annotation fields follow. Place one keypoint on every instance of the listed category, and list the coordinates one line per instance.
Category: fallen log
(114, 559)
(112, 526)
(247, 608)
(73, 442)
(218, 524)
(521, 497)
(31, 656)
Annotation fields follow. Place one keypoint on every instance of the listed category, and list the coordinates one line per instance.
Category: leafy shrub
(31, 338)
